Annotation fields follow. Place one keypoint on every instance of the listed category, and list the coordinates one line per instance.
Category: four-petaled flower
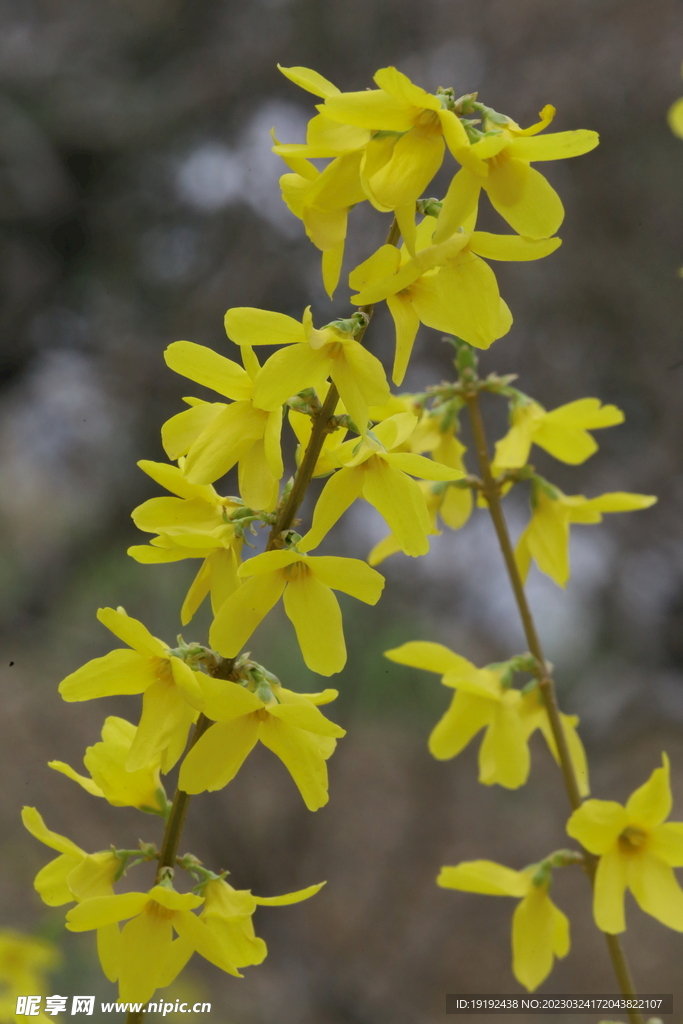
(638, 850)
(540, 931)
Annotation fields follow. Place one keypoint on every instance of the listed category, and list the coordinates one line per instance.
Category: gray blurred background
(138, 201)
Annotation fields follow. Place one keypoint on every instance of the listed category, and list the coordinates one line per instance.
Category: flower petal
(459, 202)
(524, 198)
(144, 946)
(418, 465)
(240, 614)
(401, 503)
(610, 886)
(597, 824)
(462, 721)
(557, 146)
(132, 632)
(183, 429)
(246, 325)
(310, 80)
(534, 926)
(120, 671)
(103, 910)
(165, 712)
(218, 754)
(484, 876)
(656, 889)
(288, 898)
(226, 439)
(431, 657)
(289, 371)
(407, 323)
(206, 367)
(504, 753)
(301, 755)
(314, 611)
(666, 842)
(373, 109)
(204, 940)
(349, 575)
(651, 803)
(512, 247)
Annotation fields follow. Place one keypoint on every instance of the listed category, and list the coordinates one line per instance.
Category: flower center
(155, 909)
(632, 839)
(296, 570)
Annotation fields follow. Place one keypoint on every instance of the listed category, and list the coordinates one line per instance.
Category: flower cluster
(204, 708)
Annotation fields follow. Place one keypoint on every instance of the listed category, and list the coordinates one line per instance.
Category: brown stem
(307, 465)
(491, 492)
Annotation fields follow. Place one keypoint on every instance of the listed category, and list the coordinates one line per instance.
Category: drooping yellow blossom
(546, 537)
(322, 199)
(24, 962)
(74, 876)
(307, 584)
(481, 701)
(540, 931)
(215, 436)
(407, 147)
(563, 432)
(520, 194)
(445, 286)
(147, 958)
(191, 525)
(452, 505)
(228, 913)
(150, 668)
(638, 850)
(106, 762)
(309, 358)
(287, 723)
(535, 716)
(380, 474)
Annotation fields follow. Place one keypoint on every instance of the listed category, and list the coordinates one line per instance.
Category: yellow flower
(407, 149)
(546, 537)
(307, 584)
(215, 436)
(168, 685)
(563, 432)
(76, 875)
(445, 286)
(148, 958)
(521, 195)
(24, 962)
(287, 723)
(638, 850)
(108, 776)
(378, 473)
(540, 931)
(481, 701)
(228, 912)
(309, 358)
(192, 525)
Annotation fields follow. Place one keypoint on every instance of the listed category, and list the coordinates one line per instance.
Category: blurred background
(138, 201)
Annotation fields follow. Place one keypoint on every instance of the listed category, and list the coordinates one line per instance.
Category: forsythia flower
(191, 525)
(307, 584)
(540, 931)
(310, 357)
(445, 286)
(482, 702)
(106, 763)
(76, 875)
(168, 685)
(546, 537)
(407, 148)
(215, 436)
(24, 961)
(379, 474)
(563, 432)
(638, 850)
(287, 723)
(521, 195)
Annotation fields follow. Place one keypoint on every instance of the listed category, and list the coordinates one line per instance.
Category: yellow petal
(414, 161)
(401, 503)
(109, 949)
(504, 754)
(407, 323)
(226, 439)
(301, 756)
(512, 247)
(173, 478)
(462, 299)
(309, 80)
(94, 875)
(196, 933)
(484, 876)
(675, 118)
(257, 485)
(177, 958)
(246, 325)
(459, 202)
(145, 944)
(524, 198)
(361, 382)
(164, 713)
(651, 803)
(199, 588)
(147, 555)
(597, 824)
(619, 501)
(334, 138)
(569, 445)
(431, 657)
(456, 139)
(548, 539)
(240, 614)
(306, 716)
(610, 886)
(204, 366)
(383, 263)
(225, 700)
(120, 671)
(182, 430)
(534, 927)
(373, 109)
(332, 260)
(383, 549)
(349, 575)
(103, 910)
(218, 754)
(314, 611)
(557, 146)
(338, 494)
(656, 889)
(401, 88)
(456, 507)
(666, 842)
(289, 897)
(51, 881)
(463, 720)
(289, 371)
(87, 784)
(131, 631)
(174, 516)
(418, 465)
